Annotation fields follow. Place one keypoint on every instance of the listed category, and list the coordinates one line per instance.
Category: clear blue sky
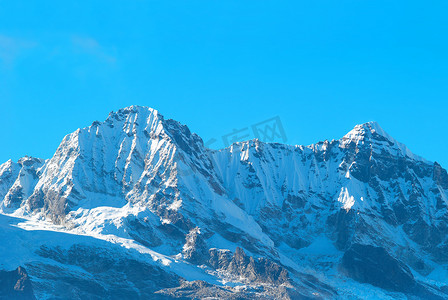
(322, 66)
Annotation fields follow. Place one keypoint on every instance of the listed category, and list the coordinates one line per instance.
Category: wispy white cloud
(92, 47)
(12, 47)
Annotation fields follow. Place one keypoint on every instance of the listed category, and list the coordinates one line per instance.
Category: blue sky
(321, 66)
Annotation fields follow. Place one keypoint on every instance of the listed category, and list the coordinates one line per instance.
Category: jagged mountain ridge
(145, 179)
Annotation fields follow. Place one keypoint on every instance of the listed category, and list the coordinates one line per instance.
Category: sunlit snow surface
(22, 237)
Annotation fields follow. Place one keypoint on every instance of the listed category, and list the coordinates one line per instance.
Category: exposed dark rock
(143, 232)
(203, 290)
(373, 265)
(295, 241)
(219, 259)
(16, 285)
(195, 249)
(199, 290)
(255, 270)
(440, 176)
(342, 224)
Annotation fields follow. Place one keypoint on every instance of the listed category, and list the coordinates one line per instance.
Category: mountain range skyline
(361, 216)
(223, 140)
(217, 66)
(250, 150)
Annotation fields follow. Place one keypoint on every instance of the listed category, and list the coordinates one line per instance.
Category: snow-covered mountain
(137, 207)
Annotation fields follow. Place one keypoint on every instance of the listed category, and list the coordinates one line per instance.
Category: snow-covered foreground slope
(137, 207)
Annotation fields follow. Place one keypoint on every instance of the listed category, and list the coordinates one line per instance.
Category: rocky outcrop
(195, 249)
(200, 290)
(16, 285)
(203, 290)
(19, 181)
(254, 270)
(440, 176)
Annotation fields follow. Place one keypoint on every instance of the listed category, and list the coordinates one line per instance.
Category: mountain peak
(137, 109)
(139, 112)
(367, 130)
(373, 134)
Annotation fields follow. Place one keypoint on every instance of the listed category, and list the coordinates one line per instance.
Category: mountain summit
(372, 135)
(368, 130)
(137, 206)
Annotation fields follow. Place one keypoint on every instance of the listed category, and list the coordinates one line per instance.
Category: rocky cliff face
(252, 220)
(15, 284)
